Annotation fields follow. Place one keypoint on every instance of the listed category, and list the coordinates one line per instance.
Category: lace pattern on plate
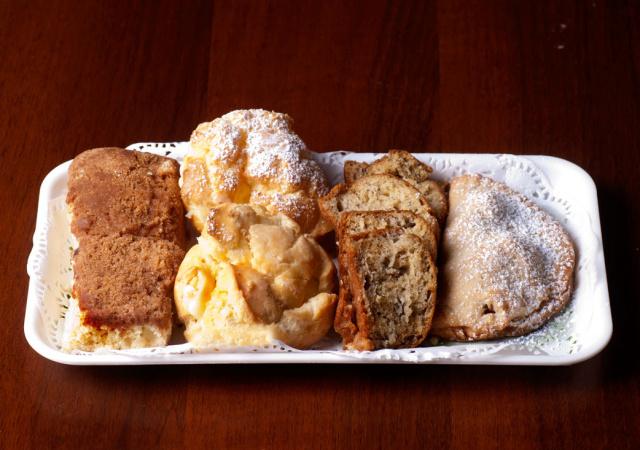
(49, 266)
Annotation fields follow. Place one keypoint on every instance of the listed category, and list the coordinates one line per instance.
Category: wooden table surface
(544, 77)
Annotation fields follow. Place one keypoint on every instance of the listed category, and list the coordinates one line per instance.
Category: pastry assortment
(467, 260)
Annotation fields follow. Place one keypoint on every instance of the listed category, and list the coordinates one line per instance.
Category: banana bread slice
(393, 280)
(354, 222)
(375, 193)
(403, 164)
(354, 170)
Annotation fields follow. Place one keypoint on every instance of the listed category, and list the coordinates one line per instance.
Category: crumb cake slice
(118, 191)
(122, 293)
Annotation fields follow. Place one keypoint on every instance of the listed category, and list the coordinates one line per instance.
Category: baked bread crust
(254, 278)
(393, 281)
(253, 156)
(354, 170)
(506, 265)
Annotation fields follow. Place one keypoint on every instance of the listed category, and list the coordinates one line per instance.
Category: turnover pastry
(506, 266)
(252, 279)
(253, 156)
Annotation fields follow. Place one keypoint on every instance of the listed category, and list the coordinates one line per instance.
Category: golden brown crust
(345, 320)
(253, 156)
(506, 265)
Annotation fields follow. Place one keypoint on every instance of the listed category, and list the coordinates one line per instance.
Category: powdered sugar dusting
(225, 143)
(228, 182)
(258, 119)
(299, 207)
(282, 158)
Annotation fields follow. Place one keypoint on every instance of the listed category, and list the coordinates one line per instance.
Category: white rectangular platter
(563, 189)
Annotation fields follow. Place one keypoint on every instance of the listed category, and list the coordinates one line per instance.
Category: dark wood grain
(525, 77)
